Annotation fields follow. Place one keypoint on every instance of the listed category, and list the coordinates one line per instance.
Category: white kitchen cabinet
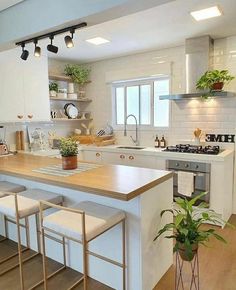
(92, 156)
(129, 159)
(11, 86)
(36, 95)
(24, 88)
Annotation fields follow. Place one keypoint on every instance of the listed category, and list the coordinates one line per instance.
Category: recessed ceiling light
(206, 13)
(97, 40)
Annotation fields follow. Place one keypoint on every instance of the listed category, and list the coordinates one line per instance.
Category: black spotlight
(69, 39)
(51, 47)
(25, 52)
(37, 49)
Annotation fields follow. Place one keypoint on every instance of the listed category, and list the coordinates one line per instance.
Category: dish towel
(185, 183)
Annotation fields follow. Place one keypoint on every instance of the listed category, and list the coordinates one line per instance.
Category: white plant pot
(53, 94)
(71, 88)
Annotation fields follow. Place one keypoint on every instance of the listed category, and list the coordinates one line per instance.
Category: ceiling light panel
(97, 40)
(206, 13)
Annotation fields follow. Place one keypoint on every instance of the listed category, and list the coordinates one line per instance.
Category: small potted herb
(68, 151)
(79, 75)
(185, 229)
(214, 80)
(53, 89)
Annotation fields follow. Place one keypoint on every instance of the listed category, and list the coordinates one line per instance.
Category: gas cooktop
(196, 149)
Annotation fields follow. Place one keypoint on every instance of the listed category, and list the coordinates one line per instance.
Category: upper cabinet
(24, 92)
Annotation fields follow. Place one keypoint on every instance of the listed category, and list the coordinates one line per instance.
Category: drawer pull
(122, 156)
(131, 157)
(20, 116)
(98, 154)
(30, 116)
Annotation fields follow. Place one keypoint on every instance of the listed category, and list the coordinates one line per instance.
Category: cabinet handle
(131, 157)
(30, 116)
(20, 116)
(98, 154)
(122, 156)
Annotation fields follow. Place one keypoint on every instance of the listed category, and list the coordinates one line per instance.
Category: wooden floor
(217, 264)
(33, 273)
(217, 268)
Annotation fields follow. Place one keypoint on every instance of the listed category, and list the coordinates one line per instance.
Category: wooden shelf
(70, 120)
(85, 100)
(62, 78)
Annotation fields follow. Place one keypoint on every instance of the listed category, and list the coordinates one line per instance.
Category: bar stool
(81, 223)
(10, 187)
(22, 206)
(6, 186)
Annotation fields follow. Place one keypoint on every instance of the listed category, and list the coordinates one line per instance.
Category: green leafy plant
(186, 226)
(53, 87)
(68, 147)
(210, 78)
(77, 73)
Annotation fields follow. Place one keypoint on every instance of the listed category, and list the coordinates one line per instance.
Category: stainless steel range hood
(198, 56)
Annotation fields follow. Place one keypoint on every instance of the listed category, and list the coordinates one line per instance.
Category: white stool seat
(10, 187)
(98, 218)
(28, 202)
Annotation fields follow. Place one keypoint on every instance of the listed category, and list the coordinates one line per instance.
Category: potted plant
(186, 228)
(79, 75)
(214, 80)
(53, 89)
(68, 151)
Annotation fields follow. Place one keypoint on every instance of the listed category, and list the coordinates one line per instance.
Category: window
(141, 98)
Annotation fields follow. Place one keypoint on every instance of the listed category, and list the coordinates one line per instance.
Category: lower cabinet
(92, 156)
(128, 159)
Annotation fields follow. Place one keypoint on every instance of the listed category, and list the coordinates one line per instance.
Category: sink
(130, 147)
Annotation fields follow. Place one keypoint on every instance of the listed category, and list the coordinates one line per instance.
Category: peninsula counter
(142, 193)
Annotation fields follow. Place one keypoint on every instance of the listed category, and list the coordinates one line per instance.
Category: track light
(37, 49)
(51, 47)
(69, 39)
(25, 52)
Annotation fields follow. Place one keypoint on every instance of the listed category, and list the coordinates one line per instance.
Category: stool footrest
(48, 277)
(13, 255)
(17, 265)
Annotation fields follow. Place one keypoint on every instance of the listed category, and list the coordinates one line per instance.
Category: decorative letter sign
(226, 138)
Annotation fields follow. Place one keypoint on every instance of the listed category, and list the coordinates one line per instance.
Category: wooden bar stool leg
(27, 232)
(43, 249)
(19, 246)
(124, 254)
(38, 232)
(85, 259)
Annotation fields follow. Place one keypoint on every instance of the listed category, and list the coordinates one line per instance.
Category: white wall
(216, 115)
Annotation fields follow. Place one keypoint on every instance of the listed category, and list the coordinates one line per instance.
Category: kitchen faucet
(136, 140)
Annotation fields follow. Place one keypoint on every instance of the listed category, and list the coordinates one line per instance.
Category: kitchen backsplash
(212, 116)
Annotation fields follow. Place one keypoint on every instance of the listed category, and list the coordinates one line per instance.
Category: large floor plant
(186, 229)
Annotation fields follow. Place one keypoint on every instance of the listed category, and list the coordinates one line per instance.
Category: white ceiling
(4, 4)
(162, 26)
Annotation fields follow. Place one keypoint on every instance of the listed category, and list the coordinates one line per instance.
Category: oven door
(201, 184)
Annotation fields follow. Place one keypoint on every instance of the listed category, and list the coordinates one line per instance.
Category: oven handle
(198, 174)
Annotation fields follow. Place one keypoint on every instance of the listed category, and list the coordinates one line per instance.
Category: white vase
(53, 94)
(71, 88)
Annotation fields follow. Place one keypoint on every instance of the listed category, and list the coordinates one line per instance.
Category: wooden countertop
(114, 181)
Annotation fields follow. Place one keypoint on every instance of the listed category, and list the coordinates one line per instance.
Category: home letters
(226, 138)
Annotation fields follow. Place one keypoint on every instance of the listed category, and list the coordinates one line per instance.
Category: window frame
(138, 82)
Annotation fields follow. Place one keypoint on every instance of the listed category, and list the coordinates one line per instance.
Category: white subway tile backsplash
(213, 115)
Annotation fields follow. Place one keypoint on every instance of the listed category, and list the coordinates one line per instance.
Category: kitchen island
(142, 193)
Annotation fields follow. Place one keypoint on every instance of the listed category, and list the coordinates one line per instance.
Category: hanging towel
(185, 183)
